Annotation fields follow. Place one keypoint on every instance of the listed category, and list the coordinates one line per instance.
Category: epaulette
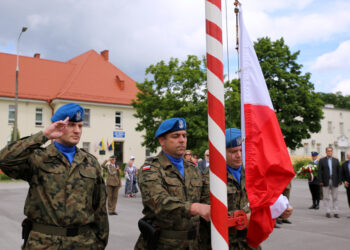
(88, 153)
(150, 159)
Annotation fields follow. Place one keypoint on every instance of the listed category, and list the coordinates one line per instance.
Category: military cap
(233, 137)
(74, 111)
(171, 125)
(112, 157)
(314, 154)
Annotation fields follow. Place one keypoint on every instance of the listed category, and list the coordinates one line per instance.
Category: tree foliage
(337, 99)
(297, 106)
(175, 89)
(178, 89)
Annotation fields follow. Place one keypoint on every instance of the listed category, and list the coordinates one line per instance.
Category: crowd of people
(66, 206)
(324, 185)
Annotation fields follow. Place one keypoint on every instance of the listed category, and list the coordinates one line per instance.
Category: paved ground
(310, 229)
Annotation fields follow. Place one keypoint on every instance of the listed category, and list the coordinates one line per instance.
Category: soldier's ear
(161, 140)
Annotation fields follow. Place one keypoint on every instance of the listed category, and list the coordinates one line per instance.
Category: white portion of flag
(252, 78)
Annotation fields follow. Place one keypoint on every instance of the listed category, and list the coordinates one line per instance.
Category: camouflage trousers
(168, 244)
(40, 241)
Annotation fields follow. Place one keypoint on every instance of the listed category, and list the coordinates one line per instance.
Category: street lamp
(16, 93)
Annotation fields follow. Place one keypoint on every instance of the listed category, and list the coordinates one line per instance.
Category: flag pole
(216, 125)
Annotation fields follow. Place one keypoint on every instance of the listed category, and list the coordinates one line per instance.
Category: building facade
(90, 80)
(335, 132)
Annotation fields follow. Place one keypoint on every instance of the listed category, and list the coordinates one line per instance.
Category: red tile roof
(87, 77)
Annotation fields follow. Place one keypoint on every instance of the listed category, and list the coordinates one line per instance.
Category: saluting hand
(56, 129)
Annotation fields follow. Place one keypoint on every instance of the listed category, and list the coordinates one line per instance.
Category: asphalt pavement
(310, 229)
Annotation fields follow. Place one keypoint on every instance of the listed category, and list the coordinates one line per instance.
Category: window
(38, 117)
(319, 147)
(148, 152)
(329, 127)
(86, 122)
(86, 146)
(306, 149)
(118, 120)
(11, 114)
(341, 128)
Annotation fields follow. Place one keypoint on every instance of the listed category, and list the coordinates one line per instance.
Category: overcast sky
(139, 33)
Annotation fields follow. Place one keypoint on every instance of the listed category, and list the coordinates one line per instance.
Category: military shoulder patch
(146, 167)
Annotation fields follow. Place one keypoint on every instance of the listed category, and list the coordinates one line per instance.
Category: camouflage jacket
(167, 198)
(59, 194)
(237, 199)
(113, 175)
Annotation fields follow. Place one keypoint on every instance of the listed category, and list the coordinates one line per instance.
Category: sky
(139, 33)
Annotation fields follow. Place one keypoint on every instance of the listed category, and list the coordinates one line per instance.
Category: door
(118, 152)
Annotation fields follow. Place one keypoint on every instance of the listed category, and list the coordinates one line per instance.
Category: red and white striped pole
(216, 126)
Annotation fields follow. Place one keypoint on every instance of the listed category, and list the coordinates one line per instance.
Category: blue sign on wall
(119, 134)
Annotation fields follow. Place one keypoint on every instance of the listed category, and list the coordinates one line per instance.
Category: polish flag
(268, 168)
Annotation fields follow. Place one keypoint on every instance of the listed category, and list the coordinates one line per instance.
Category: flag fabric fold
(268, 168)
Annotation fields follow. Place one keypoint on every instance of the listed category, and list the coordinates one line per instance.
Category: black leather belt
(179, 235)
(60, 231)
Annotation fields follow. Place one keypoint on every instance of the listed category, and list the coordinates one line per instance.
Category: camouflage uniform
(167, 198)
(236, 200)
(60, 194)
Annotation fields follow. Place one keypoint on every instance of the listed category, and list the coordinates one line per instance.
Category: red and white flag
(268, 167)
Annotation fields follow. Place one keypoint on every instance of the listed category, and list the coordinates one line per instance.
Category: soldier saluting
(171, 191)
(66, 201)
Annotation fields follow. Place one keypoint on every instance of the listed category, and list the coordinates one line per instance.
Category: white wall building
(90, 80)
(335, 132)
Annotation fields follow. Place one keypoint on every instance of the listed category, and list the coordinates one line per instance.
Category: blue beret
(74, 111)
(314, 154)
(171, 125)
(233, 137)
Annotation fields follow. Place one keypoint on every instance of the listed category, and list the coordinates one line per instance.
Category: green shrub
(297, 165)
(4, 177)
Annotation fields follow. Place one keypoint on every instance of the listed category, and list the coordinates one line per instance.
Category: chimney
(105, 54)
(120, 83)
(37, 55)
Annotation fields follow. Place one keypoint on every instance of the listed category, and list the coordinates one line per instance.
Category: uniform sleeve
(104, 164)
(101, 225)
(205, 195)
(156, 198)
(14, 158)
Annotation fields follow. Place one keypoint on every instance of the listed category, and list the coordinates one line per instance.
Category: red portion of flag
(268, 168)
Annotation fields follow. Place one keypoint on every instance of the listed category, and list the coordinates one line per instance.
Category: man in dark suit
(202, 164)
(346, 177)
(330, 178)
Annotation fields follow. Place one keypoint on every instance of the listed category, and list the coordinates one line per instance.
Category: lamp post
(16, 93)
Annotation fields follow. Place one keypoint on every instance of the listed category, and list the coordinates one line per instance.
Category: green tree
(179, 90)
(337, 99)
(297, 106)
(174, 90)
(13, 134)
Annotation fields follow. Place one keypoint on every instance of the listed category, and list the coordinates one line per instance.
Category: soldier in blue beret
(66, 202)
(171, 192)
(236, 194)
